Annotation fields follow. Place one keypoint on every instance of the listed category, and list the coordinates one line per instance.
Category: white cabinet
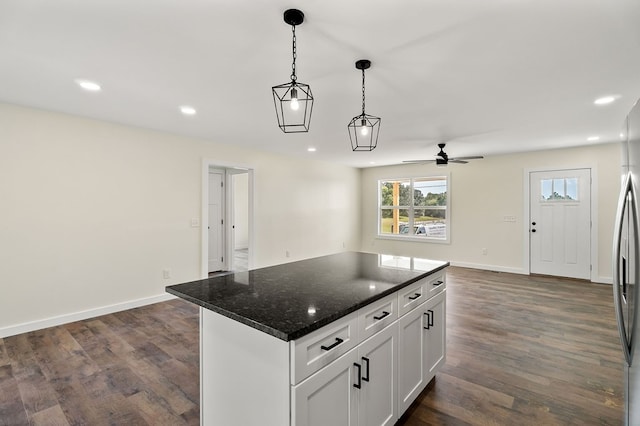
(421, 348)
(377, 394)
(363, 369)
(318, 349)
(435, 338)
(356, 389)
(411, 357)
(327, 397)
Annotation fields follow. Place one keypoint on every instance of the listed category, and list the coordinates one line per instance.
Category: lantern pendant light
(293, 100)
(364, 128)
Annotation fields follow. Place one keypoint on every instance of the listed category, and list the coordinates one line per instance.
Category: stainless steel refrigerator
(626, 265)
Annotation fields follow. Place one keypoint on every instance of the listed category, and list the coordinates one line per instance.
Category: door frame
(207, 164)
(526, 261)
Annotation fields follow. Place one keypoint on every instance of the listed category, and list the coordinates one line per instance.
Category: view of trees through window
(559, 189)
(414, 207)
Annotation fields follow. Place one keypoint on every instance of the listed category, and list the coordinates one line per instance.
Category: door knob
(533, 230)
(533, 223)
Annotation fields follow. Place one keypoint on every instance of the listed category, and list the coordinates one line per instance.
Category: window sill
(413, 239)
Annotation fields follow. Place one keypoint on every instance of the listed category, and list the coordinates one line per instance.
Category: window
(414, 208)
(559, 189)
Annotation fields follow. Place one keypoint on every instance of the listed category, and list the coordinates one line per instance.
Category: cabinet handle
(428, 320)
(366, 379)
(415, 296)
(328, 348)
(359, 376)
(437, 283)
(384, 315)
(431, 318)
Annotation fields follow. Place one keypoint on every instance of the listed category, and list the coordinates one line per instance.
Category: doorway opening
(227, 217)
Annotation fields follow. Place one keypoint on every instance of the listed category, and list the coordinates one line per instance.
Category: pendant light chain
(295, 55)
(363, 93)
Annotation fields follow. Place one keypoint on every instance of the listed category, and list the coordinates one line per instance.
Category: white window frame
(411, 237)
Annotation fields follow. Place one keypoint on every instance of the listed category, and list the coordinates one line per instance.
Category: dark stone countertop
(291, 300)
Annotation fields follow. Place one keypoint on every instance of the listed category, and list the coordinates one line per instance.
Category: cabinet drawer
(435, 283)
(412, 296)
(316, 350)
(376, 316)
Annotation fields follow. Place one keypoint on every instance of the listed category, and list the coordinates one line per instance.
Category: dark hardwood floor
(521, 351)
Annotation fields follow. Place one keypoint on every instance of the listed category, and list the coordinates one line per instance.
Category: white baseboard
(489, 267)
(603, 280)
(82, 315)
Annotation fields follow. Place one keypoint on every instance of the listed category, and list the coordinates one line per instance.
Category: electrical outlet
(195, 223)
(287, 254)
(166, 274)
(484, 251)
(509, 218)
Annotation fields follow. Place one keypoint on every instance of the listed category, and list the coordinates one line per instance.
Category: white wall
(482, 193)
(92, 212)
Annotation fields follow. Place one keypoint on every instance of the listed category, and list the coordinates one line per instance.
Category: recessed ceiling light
(187, 110)
(593, 138)
(604, 100)
(311, 149)
(372, 162)
(91, 86)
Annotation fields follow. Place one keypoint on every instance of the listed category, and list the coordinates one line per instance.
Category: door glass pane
(546, 188)
(572, 188)
(558, 189)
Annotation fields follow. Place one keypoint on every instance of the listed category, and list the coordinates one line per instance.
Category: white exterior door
(560, 223)
(216, 217)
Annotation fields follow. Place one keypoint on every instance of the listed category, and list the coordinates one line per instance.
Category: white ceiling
(486, 76)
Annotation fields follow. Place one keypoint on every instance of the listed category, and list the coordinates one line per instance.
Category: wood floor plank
(12, 411)
(52, 416)
(522, 350)
(549, 343)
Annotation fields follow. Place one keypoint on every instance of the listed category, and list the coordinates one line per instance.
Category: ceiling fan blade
(473, 157)
(457, 161)
(419, 161)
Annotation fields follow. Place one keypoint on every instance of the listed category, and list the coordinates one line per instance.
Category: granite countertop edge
(296, 334)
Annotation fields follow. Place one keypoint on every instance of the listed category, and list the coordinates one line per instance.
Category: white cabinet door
(435, 339)
(378, 400)
(328, 397)
(411, 357)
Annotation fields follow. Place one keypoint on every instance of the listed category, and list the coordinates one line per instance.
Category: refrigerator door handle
(627, 188)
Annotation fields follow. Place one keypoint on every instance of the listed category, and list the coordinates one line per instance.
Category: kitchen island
(350, 338)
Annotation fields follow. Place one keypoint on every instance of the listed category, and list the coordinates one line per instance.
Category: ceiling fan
(442, 159)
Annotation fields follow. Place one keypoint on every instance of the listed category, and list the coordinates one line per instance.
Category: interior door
(560, 223)
(216, 221)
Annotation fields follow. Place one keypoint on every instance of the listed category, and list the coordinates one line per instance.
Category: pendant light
(293, 100)
(364, 128)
